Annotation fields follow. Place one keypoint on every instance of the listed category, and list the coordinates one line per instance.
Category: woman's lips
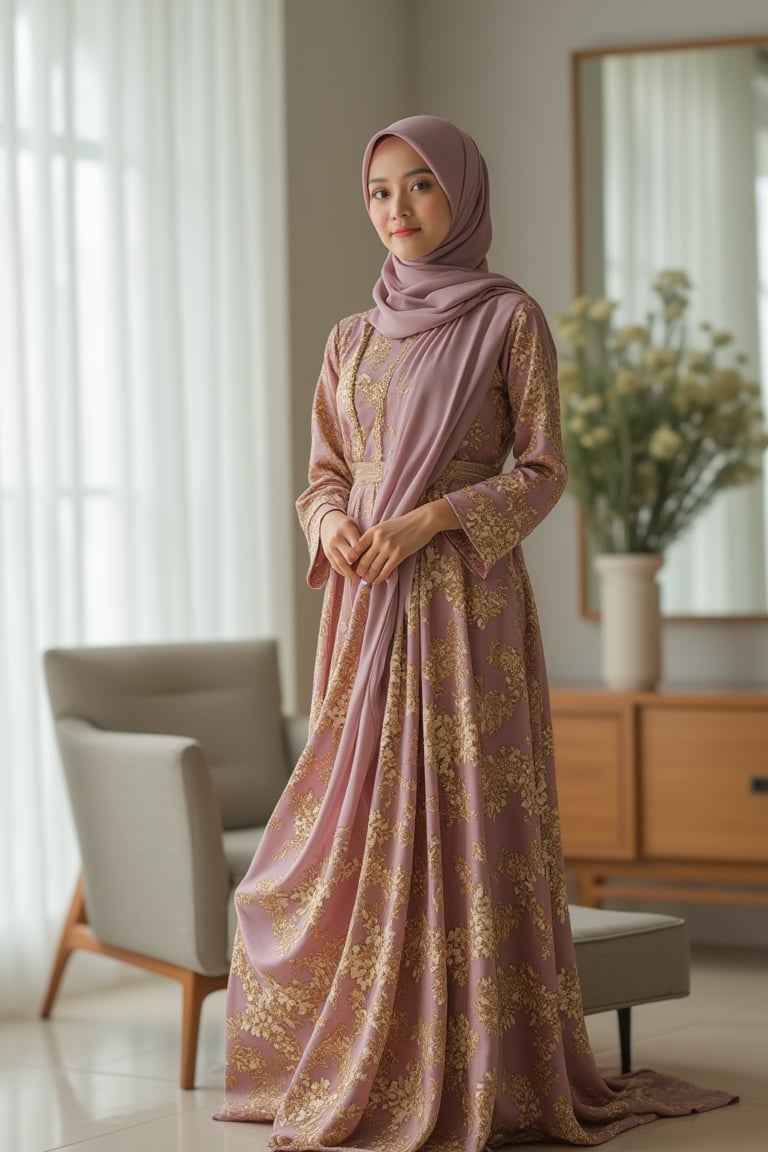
(405, 232)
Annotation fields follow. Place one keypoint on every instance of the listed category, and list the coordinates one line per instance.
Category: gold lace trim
(366, 472)
(463, 471)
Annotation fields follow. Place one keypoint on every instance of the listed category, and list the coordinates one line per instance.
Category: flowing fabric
(403, 974)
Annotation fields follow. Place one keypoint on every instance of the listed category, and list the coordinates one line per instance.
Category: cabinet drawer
(594, 784)
(697, 767)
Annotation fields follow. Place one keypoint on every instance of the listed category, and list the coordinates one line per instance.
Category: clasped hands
(372, 556)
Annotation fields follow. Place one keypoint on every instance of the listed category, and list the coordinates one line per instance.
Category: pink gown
(403, 974)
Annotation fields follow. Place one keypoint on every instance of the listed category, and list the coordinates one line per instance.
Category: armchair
(174, 756)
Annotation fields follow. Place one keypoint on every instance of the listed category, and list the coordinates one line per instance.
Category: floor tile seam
(145, 1078)
(84, 1141)
(15, 1060)
(652, 1036)
(84, 1070)
(639, 1036)
(758, 1024)
(173, 1054)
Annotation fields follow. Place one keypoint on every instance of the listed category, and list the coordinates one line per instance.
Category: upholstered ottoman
(628, 958)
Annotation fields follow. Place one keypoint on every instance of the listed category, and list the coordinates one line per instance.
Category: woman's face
(407, 206)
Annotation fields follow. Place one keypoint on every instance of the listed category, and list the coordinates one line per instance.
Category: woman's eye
(379, 194)
(420, 185)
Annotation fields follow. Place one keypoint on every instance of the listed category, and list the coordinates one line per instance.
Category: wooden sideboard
(663, 795)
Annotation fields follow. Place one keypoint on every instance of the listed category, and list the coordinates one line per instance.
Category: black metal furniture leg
(625, 1038)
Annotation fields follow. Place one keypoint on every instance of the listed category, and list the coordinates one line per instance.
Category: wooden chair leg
(190, 1026)
(78, 934)
(67, 945)
(195, 989)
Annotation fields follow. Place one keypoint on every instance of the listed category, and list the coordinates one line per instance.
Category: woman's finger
(357, 548)
(369, 563)
(347, 570)
(351, 534)
(385, 571)
(340, 564)
(339, 535)
(381, 562)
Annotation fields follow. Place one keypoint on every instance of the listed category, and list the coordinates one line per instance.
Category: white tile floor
(101, 1075)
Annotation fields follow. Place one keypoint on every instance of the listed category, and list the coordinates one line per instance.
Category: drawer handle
(759, 784)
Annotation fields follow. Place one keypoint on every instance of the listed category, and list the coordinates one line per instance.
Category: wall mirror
(671, 171)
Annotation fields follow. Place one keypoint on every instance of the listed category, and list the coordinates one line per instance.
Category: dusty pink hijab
(413, 296)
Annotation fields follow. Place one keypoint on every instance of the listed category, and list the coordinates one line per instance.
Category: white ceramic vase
(630, 620)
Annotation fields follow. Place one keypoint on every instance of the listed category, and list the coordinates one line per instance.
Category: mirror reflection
(672, 172)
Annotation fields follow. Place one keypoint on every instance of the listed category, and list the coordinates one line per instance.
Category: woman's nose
(399, 205)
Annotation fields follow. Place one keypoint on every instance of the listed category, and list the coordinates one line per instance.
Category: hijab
(413, 296)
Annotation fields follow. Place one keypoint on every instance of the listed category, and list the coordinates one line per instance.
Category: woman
(403, 974)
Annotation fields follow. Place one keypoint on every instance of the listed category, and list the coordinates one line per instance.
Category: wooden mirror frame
(577, 57)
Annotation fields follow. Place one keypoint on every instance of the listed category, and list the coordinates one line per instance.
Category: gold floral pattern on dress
(449, 657)
(475, 438)
(421, 990)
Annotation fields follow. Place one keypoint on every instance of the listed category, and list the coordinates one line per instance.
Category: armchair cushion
(239, 847)
(225, 696)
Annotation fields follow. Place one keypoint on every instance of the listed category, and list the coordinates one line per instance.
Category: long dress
(403, 972)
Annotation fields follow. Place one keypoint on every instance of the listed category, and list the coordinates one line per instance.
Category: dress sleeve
(497, 514)
(330, 479)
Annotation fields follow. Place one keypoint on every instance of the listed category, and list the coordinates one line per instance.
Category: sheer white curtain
(143, 381)
(679, 186)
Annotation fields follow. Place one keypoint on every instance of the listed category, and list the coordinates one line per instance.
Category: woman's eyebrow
(406, 175)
